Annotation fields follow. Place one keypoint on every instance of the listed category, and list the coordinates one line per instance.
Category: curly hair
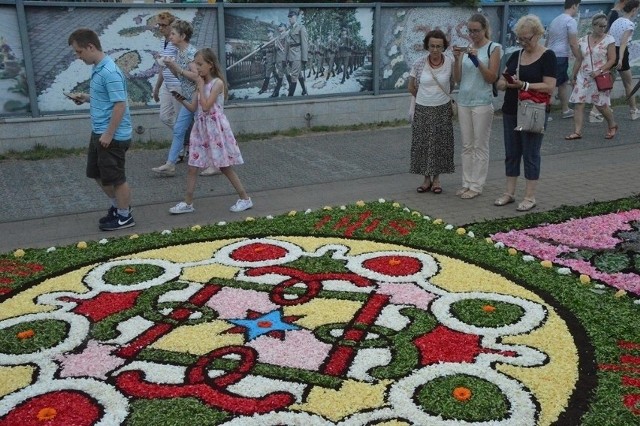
(435, 34)
(184, 28)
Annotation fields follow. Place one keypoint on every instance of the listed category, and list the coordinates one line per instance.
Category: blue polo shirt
(108, 86)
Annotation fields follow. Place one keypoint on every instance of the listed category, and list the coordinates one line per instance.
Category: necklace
(438, 64)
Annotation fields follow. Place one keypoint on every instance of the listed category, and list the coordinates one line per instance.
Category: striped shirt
(108, 86)
(170, 50)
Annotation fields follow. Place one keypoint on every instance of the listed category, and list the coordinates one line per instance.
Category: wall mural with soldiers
(278, 52)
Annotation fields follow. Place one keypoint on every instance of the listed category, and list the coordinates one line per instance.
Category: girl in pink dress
(212, 142)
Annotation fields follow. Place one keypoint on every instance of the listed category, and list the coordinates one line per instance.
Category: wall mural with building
(269, 52)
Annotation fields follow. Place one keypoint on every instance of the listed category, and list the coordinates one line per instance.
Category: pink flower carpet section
(236, 302)
(549, 242)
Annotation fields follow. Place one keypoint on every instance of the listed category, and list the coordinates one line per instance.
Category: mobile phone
(178, 95)
(464, 49)
(70, 96)
(508, 77)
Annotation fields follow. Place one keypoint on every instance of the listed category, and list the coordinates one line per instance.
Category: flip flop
(612, 132)
(573, 137)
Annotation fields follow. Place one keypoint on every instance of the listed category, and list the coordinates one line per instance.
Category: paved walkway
(49, 202)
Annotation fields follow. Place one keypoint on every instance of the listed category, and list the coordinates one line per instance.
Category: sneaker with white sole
(118, 222)
(595, 118)
(635, 114)
(568, 113)
(182, 207)
(241, 205)
(166, 169)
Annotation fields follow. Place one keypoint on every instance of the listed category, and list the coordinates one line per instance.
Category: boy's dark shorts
(625, 59)
(107, 164)
(562, 68)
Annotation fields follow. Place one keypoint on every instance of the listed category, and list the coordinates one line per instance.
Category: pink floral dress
(585, 90)
(212, 142)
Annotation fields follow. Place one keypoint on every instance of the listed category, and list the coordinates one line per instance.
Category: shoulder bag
(531, 115)
(604, 81)
(454, 105)
(494, 88)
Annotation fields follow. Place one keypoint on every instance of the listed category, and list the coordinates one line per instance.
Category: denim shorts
(562, 67)
(107, 164)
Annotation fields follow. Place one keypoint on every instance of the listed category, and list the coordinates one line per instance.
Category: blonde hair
(165, 15)
(531, 22)
(209, 56)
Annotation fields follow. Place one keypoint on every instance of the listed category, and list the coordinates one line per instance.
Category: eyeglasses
(474, 30)
(522, 40)
(434, 47)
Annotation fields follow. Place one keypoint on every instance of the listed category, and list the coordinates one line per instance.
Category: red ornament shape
(256, 252)
(395, 266)
(71, 408)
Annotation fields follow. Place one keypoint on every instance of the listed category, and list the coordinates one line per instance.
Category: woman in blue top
(476, 71)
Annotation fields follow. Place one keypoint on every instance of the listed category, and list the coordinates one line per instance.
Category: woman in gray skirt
(432, 127)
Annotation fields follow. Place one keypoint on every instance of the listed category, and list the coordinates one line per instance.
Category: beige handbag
(531, 115)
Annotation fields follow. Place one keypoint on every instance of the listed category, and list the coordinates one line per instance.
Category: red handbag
(604, 81)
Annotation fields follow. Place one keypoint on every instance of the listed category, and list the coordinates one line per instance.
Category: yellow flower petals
(134, 236)
(489, 240)
(292, 213)
(546, 264)
(361, 203)
(327, 208)
(461, 231)
(81, 245)
(18, 253)
(585, 279)
(438, 222)
(620, 293)
(249, 219)
(512, 251)
(195, 228)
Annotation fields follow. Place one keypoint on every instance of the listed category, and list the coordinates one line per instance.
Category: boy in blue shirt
(110, 127)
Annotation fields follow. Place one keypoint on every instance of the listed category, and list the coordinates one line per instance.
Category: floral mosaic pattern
(285, 330)
(604, 247)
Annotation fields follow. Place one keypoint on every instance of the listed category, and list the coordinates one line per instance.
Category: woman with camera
(476, 69)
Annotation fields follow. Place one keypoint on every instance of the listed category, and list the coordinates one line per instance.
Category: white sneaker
(166, 169)
(635, 114)
(595, 117)
(182, 207)
(568, 113)
(241, 205)
(210, 171)
(550, 118)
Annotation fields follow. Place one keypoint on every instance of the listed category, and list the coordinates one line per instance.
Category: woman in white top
(622, 30)
(432, 126)
(476, 71)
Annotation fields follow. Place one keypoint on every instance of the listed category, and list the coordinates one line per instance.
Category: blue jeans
(180, 127)
(521, 146)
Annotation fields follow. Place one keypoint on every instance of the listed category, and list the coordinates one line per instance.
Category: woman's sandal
(573, 137)
(526, 205)
(422, 189)
(469, 195)
(612, 132)
(436, 190)
(461, 191)
(504, 200)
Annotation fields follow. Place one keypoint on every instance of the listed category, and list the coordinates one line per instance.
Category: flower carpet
(370, 314)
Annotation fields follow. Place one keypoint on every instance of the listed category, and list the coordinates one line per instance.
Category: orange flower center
(47, 413)
(462, 393)
(264, 324)
(258, 249)
(488, 308)
(27, 334)
(394, 262)
(129, 270)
